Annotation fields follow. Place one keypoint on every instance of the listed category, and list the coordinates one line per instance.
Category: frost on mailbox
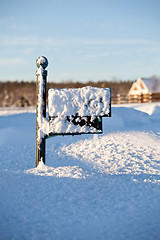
(77, 111)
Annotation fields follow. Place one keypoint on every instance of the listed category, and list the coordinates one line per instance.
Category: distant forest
(22, 94)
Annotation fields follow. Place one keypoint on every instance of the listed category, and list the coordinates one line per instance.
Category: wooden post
(41, 73)
(150, 97)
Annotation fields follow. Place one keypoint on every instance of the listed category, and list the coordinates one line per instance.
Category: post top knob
(42, 61)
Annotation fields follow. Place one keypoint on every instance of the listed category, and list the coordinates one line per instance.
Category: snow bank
(126, 118)
(6, 111)
(156, 113)
(121, 153)
(148, 108)
(65, 171)
(94, 187)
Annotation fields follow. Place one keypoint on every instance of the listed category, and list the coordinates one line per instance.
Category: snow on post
(41, 73)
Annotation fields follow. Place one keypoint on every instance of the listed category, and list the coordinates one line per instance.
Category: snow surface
(92, 187)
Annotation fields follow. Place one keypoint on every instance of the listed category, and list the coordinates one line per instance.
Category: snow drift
(92, 187)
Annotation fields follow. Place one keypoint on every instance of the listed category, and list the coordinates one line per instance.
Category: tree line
(22, 94)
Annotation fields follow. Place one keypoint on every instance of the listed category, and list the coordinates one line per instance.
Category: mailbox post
(41, 74)
(70, 111)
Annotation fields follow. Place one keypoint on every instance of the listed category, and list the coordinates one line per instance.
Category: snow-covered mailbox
(70, 111)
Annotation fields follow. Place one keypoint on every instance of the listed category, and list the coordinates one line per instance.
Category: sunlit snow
(92, 187)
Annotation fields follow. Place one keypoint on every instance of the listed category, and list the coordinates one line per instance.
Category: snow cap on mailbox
(86, 101)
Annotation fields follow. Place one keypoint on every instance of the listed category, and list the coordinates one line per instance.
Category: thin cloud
(12, 61)
(9, 23)
(117, 42)
(9, 40)
(97, 55)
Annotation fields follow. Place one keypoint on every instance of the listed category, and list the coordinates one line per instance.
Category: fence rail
(120, 99)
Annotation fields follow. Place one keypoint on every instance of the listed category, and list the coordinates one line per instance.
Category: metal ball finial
(42, 61)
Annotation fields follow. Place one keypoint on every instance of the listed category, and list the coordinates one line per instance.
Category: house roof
(145, 85)
(152, 84)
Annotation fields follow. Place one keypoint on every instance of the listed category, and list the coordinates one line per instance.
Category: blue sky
(82, 39)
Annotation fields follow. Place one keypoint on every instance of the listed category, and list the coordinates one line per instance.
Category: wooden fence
(120, 99)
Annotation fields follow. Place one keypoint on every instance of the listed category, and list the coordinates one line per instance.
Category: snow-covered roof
(152, 84)
(145, 86)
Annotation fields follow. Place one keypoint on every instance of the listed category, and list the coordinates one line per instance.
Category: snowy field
(93, 187)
